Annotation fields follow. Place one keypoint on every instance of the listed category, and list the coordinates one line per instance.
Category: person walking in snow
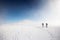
(42, 24)
(46, 25)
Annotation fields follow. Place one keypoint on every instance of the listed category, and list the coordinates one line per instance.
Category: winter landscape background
(22, 19)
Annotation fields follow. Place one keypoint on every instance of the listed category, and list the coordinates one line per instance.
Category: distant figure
(42, 24)
(46, 25)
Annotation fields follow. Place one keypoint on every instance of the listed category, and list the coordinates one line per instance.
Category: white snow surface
(28, 33)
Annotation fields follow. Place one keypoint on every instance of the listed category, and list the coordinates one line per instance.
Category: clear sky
(32, 10)
(15, 10)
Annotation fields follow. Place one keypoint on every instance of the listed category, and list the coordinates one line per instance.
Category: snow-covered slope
(28, 33)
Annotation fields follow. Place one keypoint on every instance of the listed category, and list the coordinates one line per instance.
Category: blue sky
(21, 9)
(35, 10)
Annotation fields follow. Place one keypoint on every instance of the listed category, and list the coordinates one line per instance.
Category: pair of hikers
(46, 25)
